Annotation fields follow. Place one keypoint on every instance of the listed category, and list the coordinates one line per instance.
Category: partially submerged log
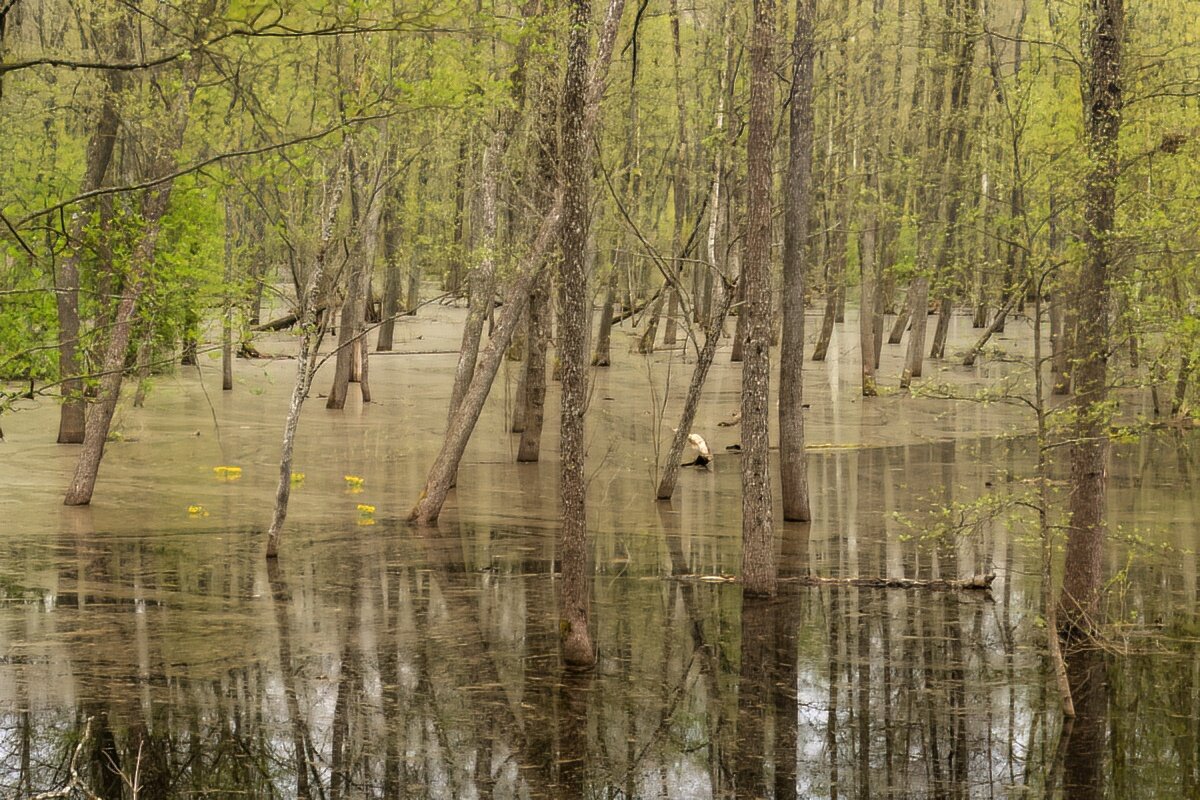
(975, 583)
(278, 324)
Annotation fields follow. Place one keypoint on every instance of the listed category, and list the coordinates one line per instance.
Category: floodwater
(154, 652)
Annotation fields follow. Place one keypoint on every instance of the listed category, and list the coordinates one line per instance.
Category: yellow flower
(364, 521)
(353, 481)
(195, 510)
(228, 473)
(365, 509)
(297, 477)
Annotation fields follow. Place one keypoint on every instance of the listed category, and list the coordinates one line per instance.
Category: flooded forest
(599, 399)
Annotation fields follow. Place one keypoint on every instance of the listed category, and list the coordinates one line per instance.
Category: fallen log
(635, 309)
(277, 324)
(975, 583)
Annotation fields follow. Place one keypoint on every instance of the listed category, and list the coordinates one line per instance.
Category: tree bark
(385, 340)
(482, 279)
(691, 403)
(575, 590)
(758, 535)
(155, 202)
(99, 156)
(792, 469)
(533, 386)
(1083, 573)
(227, 310)
(351, 330)
(79, 492)
(312, 329)
(437, 484)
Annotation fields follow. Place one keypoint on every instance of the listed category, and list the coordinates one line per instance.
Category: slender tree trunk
(99, 156)
(482, 280)
(391, 282)
(575, 591)
(916, 342)
(792, 468)
(691, 403)
(603, 354)
(312, 327)
(866, 312)
(351, 331)
(1083, 571)
(227, 311)
(942, 331)
(646, 343)
(153, 206)
(79, 492)
(903, 315)
(758, 537)
(533, 386)
(437, 484)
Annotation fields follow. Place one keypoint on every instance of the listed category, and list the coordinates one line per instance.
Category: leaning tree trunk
(154, 204)
(79, 493)
(482, 279)
(99, 156)
(758, 536)
(792, 469)
(603, 354)
(1083, 573)
(437, 484)
(575, 589)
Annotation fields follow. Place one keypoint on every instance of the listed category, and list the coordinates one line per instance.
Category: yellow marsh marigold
(365, 509)
(228, 473)
(195, 510)
(297, 477)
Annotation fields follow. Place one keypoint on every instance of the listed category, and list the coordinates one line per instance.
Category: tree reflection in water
(425, 664)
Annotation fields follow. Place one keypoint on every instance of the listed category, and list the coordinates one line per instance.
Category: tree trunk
(691, 403)
(758, 537)
(437, 484)
(902, 317)
(351, 330)
(1083, 573)
(603, 354)
(646, 342)
(916, 341)
(391, 282)
(312, 330)
(155, 201)
(79, 493)
(533, 396)
(482, 279)
(227, 311)
(866, 311)
(942, 331)
(792, 468)
(574, 322)
(99, 156)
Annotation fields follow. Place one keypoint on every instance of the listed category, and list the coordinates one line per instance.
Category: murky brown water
(384, 661)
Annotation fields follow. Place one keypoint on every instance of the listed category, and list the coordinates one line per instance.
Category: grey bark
(437, 484)
(758, 530)
(798, 199)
